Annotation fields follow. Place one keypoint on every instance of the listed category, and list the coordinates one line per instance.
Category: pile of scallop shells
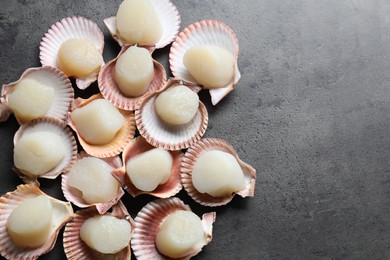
(140, 132)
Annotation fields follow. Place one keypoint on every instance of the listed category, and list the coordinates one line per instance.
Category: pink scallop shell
(168, 189)
(8, 202)
(73, 195)
(68, 28)
(148, 222)
(111, 92)
(204, 32)
(122, 138)
(190, 157)
(160, 134)
(55, 126)
(75, 248)
(48, 76)
(169, 18)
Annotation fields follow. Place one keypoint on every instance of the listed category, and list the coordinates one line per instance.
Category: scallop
(192, 157)
(99, 120)
(171, 186)
(217, 44)
(18, 201)
(43, 148)
(164, 135)
(103, 191)
(75, 45)
(164, 13)
(39, 92)
(76, 248)
(159, 226)
(109, 88)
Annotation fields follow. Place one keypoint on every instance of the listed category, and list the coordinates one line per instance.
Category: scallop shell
(148, 222)
(204, 32)
(168, 189)
(169, 18)
(73, 195)
(75, 248)
(111, 92)
(62, 211)
(48, 76)
(160, 134)
(122, 138)
(190, 157)
(52, 125)
(69, 28)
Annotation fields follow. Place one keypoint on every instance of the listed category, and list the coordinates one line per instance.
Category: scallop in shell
(169, 18)
(205, 32)
(62, 213)
(160, 134)
(75, 27)
(75, 248)
(75, 196)
(189, 160)
(149, 221)
(43, 91)
(109, 88)
(43, 127)
(139, 146)
(120, 140)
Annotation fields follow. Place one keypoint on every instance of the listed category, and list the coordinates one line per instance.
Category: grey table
(311, 113)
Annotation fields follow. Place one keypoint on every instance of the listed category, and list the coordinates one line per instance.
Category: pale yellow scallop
(179, 233)
(97, 122)
(79, 58)
(137, 22)
(106, 234)
(30, 99)
(211, 66)
(134, 71)
(218, 174)
(38, 152)
(29, 224)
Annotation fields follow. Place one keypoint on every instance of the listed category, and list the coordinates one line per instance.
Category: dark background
(311, 113)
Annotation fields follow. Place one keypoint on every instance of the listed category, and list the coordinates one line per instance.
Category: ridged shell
(148, 222)
(122, 138)
(74, 196)
(52, 125)
(48, 76)
(160, 134)
(76, 249)
(69, 28)
(169, 18)
(190, 157)
(168, 189)
(111, 92)
(204, 32)
(62, 211)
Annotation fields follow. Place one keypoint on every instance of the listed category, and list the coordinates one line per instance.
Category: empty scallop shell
(149, 220)
(169, 18)
(159, 134)
(122, 138)
(75, 248)
(204, 32)
(62, 213)
(68, 28)
(189, 159)
(50, 77)
(168, 189)
(111, 92)
(73, 195)
(58, 127)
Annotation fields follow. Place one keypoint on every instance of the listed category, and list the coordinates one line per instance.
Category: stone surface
(311, 113)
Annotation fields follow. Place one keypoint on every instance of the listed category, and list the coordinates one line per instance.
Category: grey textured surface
(311, 113)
